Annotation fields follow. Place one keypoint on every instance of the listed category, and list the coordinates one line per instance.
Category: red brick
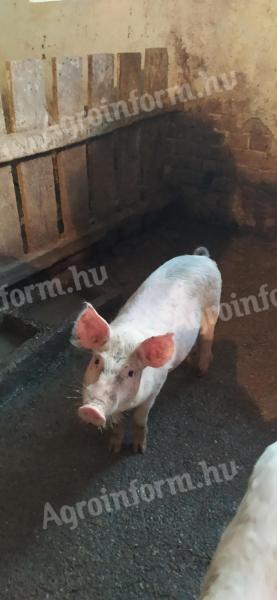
(270, 163)
(257, 175)
(245, 172)
(215, 137)
(224, 122)
(251, 158)
(238, 140)
(260, 142)
(269, 176)
(208, 151)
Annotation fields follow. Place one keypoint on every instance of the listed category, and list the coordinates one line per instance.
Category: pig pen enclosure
(109, 167)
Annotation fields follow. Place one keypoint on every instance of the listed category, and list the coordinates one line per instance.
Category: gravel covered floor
(158, 547)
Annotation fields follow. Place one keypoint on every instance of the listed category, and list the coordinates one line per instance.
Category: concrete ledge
(33, 356)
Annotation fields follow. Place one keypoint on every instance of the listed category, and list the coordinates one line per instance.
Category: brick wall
(221, 163)
(216, 161)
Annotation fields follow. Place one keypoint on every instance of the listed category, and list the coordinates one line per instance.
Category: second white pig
(174, 309)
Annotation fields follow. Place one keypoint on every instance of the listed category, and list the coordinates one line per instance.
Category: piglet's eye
(130, 373)
(96, 362)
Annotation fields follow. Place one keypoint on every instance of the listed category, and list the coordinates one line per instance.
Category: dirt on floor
(71, 524)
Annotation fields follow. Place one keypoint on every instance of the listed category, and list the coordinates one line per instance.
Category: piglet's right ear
(90, 330)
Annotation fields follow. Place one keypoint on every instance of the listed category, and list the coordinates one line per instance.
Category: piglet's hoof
(200, 372)
(139, 439)
(115, 444)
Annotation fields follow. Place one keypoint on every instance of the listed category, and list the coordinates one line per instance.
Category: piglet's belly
(184, 342)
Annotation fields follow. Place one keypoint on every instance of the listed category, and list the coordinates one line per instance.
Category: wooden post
(128, 172)
(67, 86)
(11, 245)
(155, 70)
(101, 159)
(73, 180)
(36, 182)
(129, 74)
(27, 103)
(2, 119)
(72, 162)
(100, 78)
(26, 94)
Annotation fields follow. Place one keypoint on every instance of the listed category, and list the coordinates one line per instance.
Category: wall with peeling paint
(214, 35)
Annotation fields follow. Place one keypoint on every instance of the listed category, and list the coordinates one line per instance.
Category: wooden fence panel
(129, 73)
(2, 119)
(11, 245)
(67, 86)
(100, 179)
(155, 70)
(101, 157)
(37, 186)
(72, 168)
(100, 78)
(27, 100)
(72, 162)
(128, 176)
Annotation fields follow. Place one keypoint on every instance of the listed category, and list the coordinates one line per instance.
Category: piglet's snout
(92, 414)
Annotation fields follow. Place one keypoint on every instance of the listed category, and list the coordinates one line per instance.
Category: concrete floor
(157, 549)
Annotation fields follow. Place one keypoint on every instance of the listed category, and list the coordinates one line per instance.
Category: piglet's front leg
(140, 418)
(117, 435)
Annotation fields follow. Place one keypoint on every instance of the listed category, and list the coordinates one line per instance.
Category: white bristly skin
(245, 564)
(182, 297)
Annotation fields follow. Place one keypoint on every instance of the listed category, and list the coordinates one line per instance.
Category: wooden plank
(155, 70)
(11, 245)
(35, 262)
(36, 182)
(35, 177)
(20, 145)
(100, 78)
(2, 118)
(72, 168)
(128, 73)
(128, 166)
(67, 86)
(102, 178)
(72, 164)
(26, 94)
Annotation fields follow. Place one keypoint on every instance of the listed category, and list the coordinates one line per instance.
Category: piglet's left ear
(156, 351)
(90, 331)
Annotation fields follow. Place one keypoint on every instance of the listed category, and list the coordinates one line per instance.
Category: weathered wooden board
(69, 101)
(26, 94)
(20, 145)
(155, 70)
(11, 245)
(128, 73)
(100, 78)
(67, 86)
(128, 166)
(37, 186)
(72, 167)
(72, 163)
(101, 162)
(2, 119)
(35, 177)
